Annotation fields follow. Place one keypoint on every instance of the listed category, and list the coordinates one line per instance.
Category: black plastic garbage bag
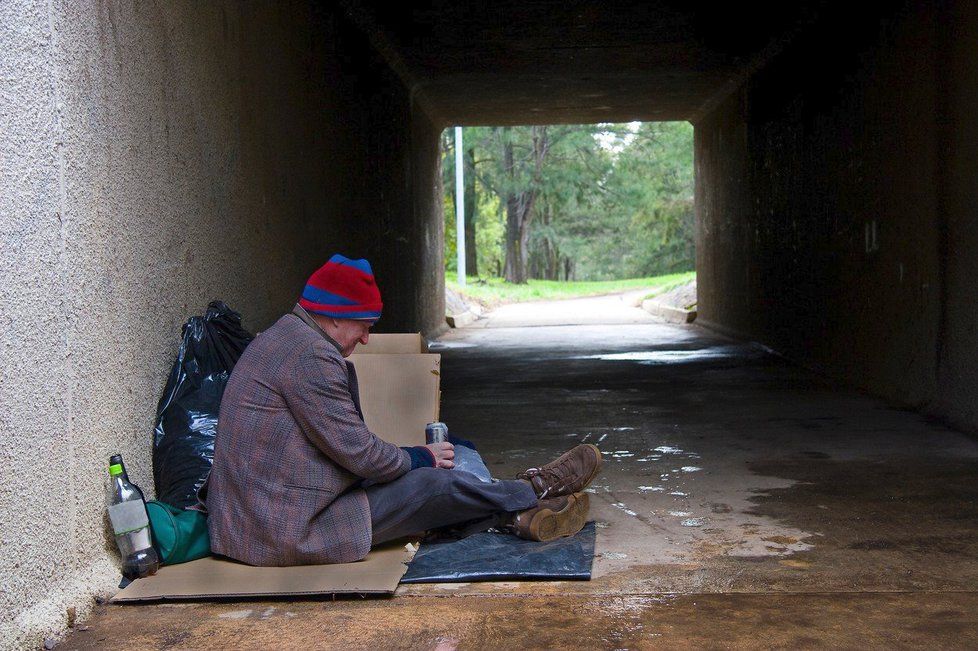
(186, 418)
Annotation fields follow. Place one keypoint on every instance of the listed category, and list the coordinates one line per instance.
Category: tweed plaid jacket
(290, 452)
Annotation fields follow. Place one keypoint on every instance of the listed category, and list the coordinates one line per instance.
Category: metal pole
(459, 207)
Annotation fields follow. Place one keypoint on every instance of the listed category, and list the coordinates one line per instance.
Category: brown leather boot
(552, 518)
(568, 473)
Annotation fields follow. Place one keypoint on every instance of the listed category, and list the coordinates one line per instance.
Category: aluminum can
(436, 432)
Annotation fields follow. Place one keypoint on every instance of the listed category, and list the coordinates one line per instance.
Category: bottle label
(127, 517)
(140, 539)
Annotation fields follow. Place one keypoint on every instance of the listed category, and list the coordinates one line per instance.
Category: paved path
(745, 503)
(617, 309)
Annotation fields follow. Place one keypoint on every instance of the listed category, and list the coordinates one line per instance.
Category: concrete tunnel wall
(859, 127)
(156, 156)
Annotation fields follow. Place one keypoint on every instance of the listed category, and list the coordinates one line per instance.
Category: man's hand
(444, 453)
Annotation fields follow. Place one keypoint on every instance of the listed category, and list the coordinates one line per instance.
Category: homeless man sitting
(292, 450)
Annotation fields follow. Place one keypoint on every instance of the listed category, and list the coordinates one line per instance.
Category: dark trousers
(429, 498)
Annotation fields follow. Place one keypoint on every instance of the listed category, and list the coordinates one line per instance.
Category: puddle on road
(621, 505)
(440, 345)
(654, 357)
(667, 449)
(614, 556)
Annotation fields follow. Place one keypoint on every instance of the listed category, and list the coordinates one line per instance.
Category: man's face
(349, 332)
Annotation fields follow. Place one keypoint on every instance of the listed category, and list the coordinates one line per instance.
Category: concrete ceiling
(575, 61)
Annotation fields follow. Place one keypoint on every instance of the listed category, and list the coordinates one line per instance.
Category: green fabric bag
(179, 535)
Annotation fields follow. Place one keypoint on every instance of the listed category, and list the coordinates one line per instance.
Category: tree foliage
(576, 202)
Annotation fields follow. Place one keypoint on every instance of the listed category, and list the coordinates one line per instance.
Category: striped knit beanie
(343, 289)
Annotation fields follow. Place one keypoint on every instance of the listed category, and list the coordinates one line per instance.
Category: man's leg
(428, 498)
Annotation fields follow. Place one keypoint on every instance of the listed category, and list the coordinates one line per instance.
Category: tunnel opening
(553, 212)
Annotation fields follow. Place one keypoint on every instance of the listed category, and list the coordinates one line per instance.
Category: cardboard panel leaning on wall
(397, 342)
(399, 394)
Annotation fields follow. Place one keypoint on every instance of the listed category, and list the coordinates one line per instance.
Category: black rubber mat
(504, 557)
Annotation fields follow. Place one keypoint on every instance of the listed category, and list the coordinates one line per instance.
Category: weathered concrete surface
(784, 621)
(678, 305)
(835, 212)
(154, 156)
(744, 503)
(667, 312)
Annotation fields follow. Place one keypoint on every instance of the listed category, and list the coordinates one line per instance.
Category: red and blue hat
(343, 289)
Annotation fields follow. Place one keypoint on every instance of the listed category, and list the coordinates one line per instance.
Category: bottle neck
(117, 468)
(124, 486)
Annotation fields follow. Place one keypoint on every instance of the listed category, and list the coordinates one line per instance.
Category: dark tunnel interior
(816, 124)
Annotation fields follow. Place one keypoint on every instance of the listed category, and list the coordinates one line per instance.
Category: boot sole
(549, 525)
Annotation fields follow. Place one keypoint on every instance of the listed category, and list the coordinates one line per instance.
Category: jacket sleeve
(321, 403)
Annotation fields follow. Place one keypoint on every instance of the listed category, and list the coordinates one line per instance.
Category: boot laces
(552, 478)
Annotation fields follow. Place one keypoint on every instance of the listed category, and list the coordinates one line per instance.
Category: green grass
(495, 291)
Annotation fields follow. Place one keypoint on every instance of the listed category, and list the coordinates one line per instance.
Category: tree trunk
(471, 257)
(519, 204)
(553, 262)
(514, 271)
(545, 259)
(515, 245)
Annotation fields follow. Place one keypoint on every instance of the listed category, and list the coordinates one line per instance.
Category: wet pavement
(745, 503)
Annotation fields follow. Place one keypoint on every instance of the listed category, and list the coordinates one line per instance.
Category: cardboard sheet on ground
(502, 557)
(214, 578)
